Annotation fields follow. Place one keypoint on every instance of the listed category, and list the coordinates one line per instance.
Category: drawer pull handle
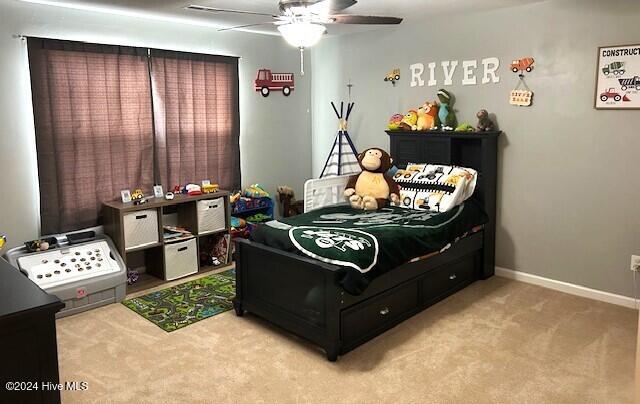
(141, 217)
(183, 248)
(453, 276)
(384, 311)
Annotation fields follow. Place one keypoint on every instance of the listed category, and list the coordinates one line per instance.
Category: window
(196, 118)
(94, 108)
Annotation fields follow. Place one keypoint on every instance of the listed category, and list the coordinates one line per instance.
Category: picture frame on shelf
(125, 195)
(157, 191)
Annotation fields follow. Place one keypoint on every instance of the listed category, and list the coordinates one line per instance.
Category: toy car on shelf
(524, 64)
(393, 76)
(210, 188)
(611, 93)
(137, 196)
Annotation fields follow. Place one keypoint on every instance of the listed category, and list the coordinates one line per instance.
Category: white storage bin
(140, 228)
(211, 215)
(180, 259)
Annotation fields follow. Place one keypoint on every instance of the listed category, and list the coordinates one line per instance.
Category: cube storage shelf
(137, 231)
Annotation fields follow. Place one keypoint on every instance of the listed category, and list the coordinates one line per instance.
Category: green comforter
(368, 244)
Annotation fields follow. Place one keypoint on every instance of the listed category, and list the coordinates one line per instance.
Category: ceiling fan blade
(246, 26)
(363, 19)
(331, 6)
(214, 10)
(339, 5)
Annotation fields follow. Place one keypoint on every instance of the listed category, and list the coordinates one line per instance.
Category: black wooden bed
(303, 295)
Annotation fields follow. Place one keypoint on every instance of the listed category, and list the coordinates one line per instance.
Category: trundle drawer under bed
(369, 318)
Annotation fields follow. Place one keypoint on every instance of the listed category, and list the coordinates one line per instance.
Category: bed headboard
(477, 150)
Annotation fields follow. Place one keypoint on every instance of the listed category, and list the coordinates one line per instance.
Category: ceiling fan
(302, 22)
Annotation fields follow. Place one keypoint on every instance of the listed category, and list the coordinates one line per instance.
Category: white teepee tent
(343, 158)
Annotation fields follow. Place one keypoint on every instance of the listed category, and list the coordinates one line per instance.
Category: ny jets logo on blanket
(347, 247)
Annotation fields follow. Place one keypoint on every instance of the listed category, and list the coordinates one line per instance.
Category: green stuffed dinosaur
(446, 114)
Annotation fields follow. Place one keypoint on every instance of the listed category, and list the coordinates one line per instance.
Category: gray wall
(275, 132)
(569, 175)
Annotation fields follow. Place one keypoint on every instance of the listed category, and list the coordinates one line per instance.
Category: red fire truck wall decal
(267, 81)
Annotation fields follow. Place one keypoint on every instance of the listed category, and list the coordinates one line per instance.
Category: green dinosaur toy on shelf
(445, 113)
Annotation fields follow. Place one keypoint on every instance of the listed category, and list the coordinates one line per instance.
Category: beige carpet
(498, 341)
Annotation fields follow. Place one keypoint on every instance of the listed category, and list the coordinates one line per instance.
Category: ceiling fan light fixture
(302, 34)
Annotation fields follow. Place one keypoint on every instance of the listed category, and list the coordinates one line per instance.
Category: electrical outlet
(635, 263)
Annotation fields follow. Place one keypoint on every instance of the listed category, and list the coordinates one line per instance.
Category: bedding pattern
(368, 244)
(437, 188)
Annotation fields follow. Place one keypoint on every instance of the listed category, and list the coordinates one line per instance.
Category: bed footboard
(299, 294)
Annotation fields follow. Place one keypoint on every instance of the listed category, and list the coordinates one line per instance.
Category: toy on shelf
(484, 121)
(446, 114)
(393, 76)
(138, 197)
(259, 218)
(235, 197)
(409, 120)
(394, 122)
(372, 188)
(247, 211)
(522, 64)
(193, 189)
(289, 205)
(427, 116)
(169, 196)
(210, 188)
(255, 191)
(465, 127)
(215, 251)
(245, 204)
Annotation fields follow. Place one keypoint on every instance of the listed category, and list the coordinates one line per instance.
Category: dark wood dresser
(28, 350)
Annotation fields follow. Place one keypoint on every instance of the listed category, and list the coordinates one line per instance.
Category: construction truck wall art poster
(618, 77)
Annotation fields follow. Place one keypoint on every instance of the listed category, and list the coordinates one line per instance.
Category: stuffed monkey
(372, 189)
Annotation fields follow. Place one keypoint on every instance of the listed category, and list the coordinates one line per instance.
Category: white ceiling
(175, 10)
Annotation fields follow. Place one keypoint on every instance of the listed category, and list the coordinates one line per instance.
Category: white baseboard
(566, 287)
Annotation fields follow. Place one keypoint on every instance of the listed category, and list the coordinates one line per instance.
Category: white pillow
(435, 187)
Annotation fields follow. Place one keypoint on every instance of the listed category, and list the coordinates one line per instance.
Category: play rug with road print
(181, 305)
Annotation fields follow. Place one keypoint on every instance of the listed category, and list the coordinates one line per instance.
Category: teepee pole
(340, 153)
(335, 110)
(349, 108)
